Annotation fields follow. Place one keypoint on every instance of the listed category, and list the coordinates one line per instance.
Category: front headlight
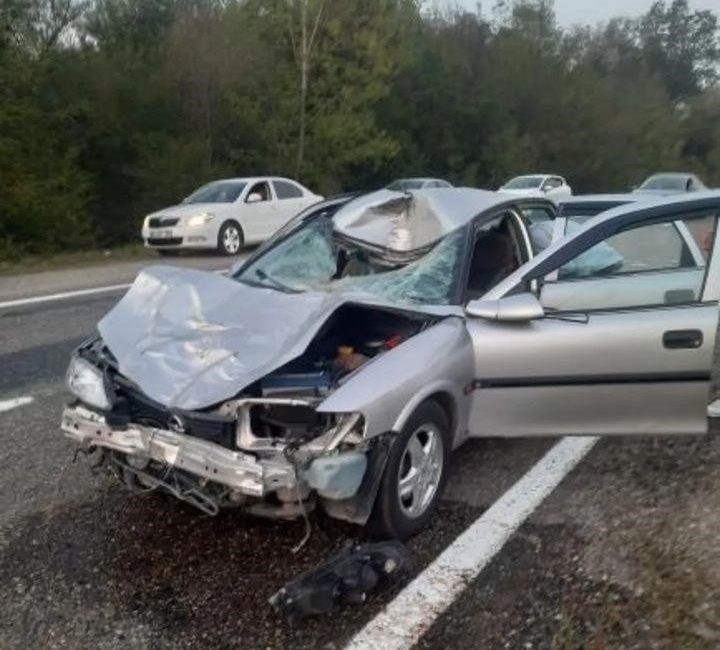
(87, 382)
(200, 219)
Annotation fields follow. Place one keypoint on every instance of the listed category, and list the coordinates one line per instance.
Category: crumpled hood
(190, 339)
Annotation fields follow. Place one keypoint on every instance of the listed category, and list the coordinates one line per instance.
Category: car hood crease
(190, 339)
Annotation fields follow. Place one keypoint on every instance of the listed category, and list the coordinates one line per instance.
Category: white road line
(403, 621)
(20, 302)
(9, 404)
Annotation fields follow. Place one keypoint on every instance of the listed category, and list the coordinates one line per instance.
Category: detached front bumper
(239, 471)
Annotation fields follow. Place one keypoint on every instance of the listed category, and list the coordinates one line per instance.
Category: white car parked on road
(537, 185)
(226, 214)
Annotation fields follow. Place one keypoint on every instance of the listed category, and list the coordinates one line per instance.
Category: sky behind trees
(570, 12)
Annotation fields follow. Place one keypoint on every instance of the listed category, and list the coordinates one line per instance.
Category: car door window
(540, 224)
(657, 264)
(496, 253)
(263, 189)
(285, 190)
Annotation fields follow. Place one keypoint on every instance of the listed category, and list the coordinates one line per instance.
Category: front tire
(415, 475)
(230, 239)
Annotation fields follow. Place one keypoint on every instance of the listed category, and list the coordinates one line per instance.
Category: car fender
(387, 389)
(232, 212)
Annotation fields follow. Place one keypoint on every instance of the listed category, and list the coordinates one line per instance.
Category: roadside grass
(673, 605)
(50, 262)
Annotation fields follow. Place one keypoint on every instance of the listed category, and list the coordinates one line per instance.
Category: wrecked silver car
(342, 363)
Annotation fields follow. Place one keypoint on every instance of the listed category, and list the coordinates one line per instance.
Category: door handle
(682, 339)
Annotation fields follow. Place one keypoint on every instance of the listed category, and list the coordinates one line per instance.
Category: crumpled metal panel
(190, 339)
(409, 221)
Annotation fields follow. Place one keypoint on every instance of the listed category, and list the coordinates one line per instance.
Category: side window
(652, 265)
(702, 231)
(495, 255)
(285, 190)
(540, 224)
(263, 189)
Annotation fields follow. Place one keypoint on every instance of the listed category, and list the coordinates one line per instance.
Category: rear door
(290, 200)
(626, 344)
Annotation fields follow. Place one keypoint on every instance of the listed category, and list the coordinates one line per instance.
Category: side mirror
(520, 308)
(254, 197)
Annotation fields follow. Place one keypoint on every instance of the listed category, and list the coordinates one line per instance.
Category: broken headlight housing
(87, 382)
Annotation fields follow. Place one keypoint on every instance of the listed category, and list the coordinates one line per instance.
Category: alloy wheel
(231, 240)
(420, 470)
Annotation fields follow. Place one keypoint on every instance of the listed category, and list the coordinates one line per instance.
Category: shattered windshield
(318, 258)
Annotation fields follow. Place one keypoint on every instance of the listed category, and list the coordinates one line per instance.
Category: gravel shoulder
(623, 555)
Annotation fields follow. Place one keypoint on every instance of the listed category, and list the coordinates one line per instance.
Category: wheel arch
(442, 392)
(235, 221)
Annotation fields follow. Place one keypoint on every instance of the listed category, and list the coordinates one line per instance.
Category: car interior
(497, 253)
(262, 188)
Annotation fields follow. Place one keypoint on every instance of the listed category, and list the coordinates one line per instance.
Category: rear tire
(415, 475)
(230, 239)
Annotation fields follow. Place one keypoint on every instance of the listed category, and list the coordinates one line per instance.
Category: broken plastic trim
(344, 579)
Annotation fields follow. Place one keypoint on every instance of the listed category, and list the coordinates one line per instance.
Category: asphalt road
(623, 554)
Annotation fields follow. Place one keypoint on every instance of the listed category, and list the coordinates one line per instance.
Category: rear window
(524, 183)
(285, 190)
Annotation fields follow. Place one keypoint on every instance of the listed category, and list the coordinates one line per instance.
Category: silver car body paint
(606, 371)
(387, 390)
(190, 339)
(413, 220)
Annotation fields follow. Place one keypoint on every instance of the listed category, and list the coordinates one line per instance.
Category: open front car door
(609, 332)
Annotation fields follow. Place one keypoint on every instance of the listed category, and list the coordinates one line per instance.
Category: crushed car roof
(407, 221)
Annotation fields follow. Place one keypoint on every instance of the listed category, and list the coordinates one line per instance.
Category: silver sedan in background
(341, 365)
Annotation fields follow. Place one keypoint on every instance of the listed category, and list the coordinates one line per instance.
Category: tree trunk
(304, 65)
(303, 53)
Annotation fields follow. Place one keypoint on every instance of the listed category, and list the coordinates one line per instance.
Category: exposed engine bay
(280, 405)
